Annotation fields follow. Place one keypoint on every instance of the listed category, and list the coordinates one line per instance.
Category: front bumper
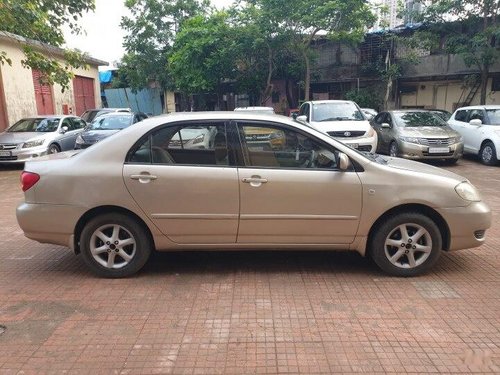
(49, 223)
(368, 144)
(417, 151)
(21, 155)
(467, 224)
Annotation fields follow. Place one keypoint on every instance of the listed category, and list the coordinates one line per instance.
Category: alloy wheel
(408, 245)
(487, 154)
(112, 246)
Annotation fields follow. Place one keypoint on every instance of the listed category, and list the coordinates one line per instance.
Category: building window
(495, 83)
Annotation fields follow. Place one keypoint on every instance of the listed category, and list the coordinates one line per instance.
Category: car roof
(486, 106)
(330, 101)
(254, 108)
(115, 114)
(49, 117)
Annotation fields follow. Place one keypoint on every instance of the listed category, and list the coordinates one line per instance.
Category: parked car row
(33, 137)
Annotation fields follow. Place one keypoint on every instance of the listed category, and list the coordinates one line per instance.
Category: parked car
(480, 127)
(417, 134)
(342, 120)
(263, 110)
(369, 113)
(33, 137)
(134, 193)
(105, 125)
(90, 114)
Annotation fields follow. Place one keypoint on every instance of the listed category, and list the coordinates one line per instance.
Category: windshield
(117, 122)
(41, 125)
(343, 111)
(89, 116)
(416, 119)
(494, 116)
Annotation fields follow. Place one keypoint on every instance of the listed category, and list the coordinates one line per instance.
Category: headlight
(467, 192)
(199, 139)
(79, 140)
(370, 132)
(457, 139)
(410, 139)
(36, 143)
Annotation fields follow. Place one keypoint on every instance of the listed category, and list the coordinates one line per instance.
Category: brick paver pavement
(248, 312)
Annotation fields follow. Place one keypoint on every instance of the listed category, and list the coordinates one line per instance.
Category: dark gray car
(106, 125)
(417, 134)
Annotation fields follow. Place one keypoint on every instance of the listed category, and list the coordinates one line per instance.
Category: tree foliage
(471, 29)
(151, 30)
(43, 21)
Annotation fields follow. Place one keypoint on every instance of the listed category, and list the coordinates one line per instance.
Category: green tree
(151, 30)
(43, 21)
(474, 33)
(301, 20)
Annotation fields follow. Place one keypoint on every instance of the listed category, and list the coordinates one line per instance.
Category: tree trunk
(290, 97)
(269, 87)
(484, 85)
(307, 81)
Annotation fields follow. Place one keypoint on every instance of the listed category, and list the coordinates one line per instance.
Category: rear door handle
(144, 178)
(254, 181)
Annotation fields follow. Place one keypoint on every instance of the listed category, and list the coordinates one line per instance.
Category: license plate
(5, 153)
(439, 150)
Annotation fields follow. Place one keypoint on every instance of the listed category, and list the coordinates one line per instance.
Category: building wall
(443, 95)
(19, 90)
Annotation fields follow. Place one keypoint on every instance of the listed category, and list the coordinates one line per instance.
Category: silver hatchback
(147, 188)
(33, 137)
(417, 134)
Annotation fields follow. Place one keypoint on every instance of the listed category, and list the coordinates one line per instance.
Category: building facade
(22, 95)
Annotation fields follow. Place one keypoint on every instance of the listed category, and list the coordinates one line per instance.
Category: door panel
(299, 206)
(188, 204)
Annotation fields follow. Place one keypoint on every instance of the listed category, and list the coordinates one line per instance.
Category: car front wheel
(114, 245)
(393, 149)
(54, 149)
(488, 154)
(406, 244)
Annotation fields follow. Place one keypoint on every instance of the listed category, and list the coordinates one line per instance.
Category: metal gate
(83, 88)
(43, 95)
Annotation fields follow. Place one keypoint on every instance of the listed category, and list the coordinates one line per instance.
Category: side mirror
(301, 118)
(476, 122)
(385, 125)
(63, 130)
(344, 162)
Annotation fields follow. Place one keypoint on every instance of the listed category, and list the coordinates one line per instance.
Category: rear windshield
(415, 119)
(494, 116)
(41, 125)
(111, 123)
(336, 112)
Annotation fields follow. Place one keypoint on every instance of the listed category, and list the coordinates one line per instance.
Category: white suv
(480, 127)
(342, 120)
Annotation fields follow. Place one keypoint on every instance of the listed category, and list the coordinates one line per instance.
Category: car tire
(422, 244)
(114, 245)
(53, 149)
(393, 149)
(488, 153)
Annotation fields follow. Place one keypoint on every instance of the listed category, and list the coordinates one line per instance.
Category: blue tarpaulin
(146, 100)
(106, 76)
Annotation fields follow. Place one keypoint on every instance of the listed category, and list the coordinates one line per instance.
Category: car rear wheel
(393, 149)
(114, 245)
(488, 154)
(406, 244)
(54, 149)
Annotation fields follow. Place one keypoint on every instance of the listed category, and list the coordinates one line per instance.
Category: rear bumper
(466, 224)
(49, 223)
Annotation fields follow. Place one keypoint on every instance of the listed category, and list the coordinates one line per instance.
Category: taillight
(28, 179)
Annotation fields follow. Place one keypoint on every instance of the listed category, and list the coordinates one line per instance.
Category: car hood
(12, 137)
(93, 136)
(428, 132)
(410, 165)
(326, 126)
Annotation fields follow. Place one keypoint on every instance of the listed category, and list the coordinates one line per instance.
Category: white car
(263, 110)
(480, 127)
(342, 120)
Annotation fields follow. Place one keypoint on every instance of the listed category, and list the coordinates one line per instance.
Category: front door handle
(254, 180)
(143, 177)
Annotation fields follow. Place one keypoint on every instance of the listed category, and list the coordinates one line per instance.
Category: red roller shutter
(43, 95)
(83, 88)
